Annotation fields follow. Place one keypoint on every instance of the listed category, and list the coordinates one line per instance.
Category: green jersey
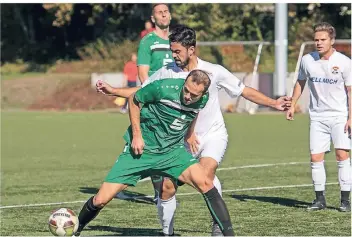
(154, 52)
(164, 118)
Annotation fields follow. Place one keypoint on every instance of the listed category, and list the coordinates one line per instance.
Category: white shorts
(213, 146)
(322, 132)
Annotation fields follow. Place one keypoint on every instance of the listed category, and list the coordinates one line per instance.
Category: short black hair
(184, 35)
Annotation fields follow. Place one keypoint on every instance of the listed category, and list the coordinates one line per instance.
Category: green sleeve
(144, 53)
(149, 94)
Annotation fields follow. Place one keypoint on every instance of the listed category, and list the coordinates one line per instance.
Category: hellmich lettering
(323, 80)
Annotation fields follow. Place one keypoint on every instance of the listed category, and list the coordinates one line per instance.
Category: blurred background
(53, 53)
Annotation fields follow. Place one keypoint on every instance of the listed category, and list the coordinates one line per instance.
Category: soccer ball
(63, 222)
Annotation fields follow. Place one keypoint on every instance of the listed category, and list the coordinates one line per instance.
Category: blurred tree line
(44, 33)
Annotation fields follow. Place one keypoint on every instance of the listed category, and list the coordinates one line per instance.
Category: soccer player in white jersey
(328, 73)
(208, 137)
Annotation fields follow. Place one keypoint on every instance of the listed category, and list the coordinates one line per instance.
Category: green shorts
(130, 168)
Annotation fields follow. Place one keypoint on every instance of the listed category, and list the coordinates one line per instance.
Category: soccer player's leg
(167, 206)
(94, 204)
(195, 176)
(342, 145)
(211, 151)
(211, 155)
(184, 167)
(319, 145)
(127, 171)
(157, 182)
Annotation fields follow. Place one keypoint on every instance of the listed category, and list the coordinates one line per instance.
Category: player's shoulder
(340, 56)
(213, 70)
(171, 70)
(205, 65)
(171, 83)
(312, 56)
(169, 87)
(167, 82)
(148, 39)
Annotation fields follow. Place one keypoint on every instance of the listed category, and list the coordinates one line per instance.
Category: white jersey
(210, 119)
(326, 81)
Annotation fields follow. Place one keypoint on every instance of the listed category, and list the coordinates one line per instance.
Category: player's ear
(191, 50)
(152, 18)
(332, 42)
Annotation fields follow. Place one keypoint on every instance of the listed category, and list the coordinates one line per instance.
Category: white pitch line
(250, 166)
(40, 204)
(261, 165)
(258, 188)
(180, 194)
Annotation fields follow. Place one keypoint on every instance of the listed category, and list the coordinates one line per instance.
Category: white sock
(217, 185)
(344, 172)
(318, 175)
(166, 212)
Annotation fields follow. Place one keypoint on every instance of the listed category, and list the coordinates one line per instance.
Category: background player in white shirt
(208, 138)
(328, 73)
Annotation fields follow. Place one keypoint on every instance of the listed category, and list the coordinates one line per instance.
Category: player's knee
(317, 157)
(341, 155)
(99, 201)
(211, 174)
(169, 190)
(210, 165)
(206, 185)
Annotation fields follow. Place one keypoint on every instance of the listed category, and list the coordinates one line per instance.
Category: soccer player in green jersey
(208, 139)
(154, 49)
(160, 115)
(153, 53)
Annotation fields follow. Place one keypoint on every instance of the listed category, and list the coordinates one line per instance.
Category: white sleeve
(228, 81)
(347, 74)
(155, 76)
(302, 74)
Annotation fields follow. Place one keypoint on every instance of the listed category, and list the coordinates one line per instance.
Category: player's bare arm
(191, 137)
(135, 118)
(106, 89)
(283, 103)
(348, 124)
(297, 92)
(143, 72)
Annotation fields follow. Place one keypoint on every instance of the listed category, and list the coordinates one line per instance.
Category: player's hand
(104, 88)
(348, 127)
(283, 103)
(290, 113)
(137, 145)
(192, 142)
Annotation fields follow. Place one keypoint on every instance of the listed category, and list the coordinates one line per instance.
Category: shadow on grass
(277, 200)
(116, 231)
(124, 195)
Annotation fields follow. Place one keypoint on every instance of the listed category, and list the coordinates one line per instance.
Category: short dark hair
(184, 35)
(200, 77)
(157, 4)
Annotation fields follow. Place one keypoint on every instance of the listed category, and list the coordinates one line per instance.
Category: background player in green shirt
(154, 49)
(153, 53)
(155, 145)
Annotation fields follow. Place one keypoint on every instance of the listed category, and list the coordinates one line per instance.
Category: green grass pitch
(51, 157)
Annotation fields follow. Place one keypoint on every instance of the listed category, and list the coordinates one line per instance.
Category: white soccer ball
(63, 222)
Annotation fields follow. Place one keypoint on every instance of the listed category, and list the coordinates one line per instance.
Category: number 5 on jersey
(178, 124)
